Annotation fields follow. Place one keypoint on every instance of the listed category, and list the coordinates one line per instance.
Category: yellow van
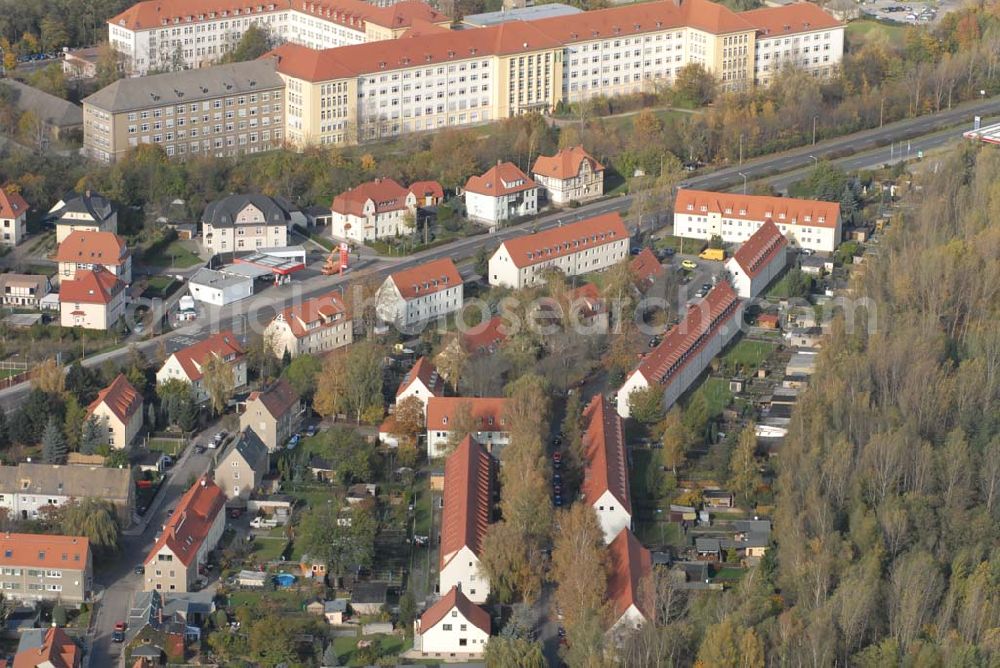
(716, 254)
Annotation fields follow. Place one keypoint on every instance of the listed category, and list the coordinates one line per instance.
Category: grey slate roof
(532, 13)
(186, 86)
(707, 544)
(53, 110)
(95, 205)
(222, 212)
(59, 480)
(250, 448)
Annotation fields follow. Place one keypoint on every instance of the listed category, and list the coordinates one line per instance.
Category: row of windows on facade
(205, 105)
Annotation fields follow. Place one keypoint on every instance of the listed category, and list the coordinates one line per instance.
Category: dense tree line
(49, 25)
(887, 513)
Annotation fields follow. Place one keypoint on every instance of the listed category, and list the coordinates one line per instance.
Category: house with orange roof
(411, 297)
(13, 216)
(94, 299)
(758, 261)
(374, 210)
(192, 531)
(811, 224)
(83, 250)
(571, 175)
(45, 567)
(502, 193)
(486, 337)
(47, 648)
(687, 348)
(187, 363)
(453, 627)
(646, 268)
(422, 381)
(605, 482)
(315, 326)
(119, 407)
(470, 487)
(578, 248)
(272, 413)
(483, 416)
(427, 193)
(630, 591)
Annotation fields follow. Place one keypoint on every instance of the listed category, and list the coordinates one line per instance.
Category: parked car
(118, 635)
(557, 501)
(199, 449)
(261, 522)
(139, 570)
(689, 264)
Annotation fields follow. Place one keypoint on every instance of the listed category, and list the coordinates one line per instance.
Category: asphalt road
(118, 581)
(262, 306)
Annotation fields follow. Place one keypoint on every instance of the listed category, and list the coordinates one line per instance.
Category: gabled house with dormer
(187, 364)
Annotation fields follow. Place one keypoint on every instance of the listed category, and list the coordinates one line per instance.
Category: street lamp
(815, 159)
(814, 129)
(744, 182)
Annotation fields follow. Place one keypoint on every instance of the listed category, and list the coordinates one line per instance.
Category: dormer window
(690, 207)
(444, 420)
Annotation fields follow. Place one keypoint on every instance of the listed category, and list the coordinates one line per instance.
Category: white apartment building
(758, 261)
(315, 326)
(454, 627)
(176, 34)
(811, 224)
(800, 35)
(489, 423)
(605, 484)
(687, 348)
(502, 193)
(411, 297)
(578, 248)
(187, 363)
(469, 489)
(376, 209)
(571, 175)
(245, 223)
(13, 214)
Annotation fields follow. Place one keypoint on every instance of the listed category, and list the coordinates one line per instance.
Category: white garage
(219, 287)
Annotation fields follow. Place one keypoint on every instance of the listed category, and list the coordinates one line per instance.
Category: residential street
(118, 581)
(262, 306)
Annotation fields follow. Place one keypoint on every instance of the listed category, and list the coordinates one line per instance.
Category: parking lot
(912, 13)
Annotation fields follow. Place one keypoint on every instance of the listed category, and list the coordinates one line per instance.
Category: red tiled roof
(422, 189)
(477, 616)
(790, 19)
(278, 398)
(326, 310)
(191, 521)
(121, 397)
(193, 358)
(484, 410)
(586, 300)
(57, 651)
(26, 550)
(426, 279)
(646, 267)
(641, 18)
(604, 444)
(416, 51)
(782, 210)
(543, 246)
(485, 336)
(504, 178)
(386, 194)
(565, 164)
(351, 13)
(469, 480)
(97, 286)
(760, 249)
(687, 335)
(84, 247)
(629, 569)
(425, 372)
(12, 204)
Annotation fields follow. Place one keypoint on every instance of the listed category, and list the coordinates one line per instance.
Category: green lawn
(422, 507)
(749, 354)
(386, 645)
(289, 600)
(659, 534)
(716, 391)
(268, 549)
(167, 445)
(729, 574)
(176, 254)
(160, 287)
(865, 29)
